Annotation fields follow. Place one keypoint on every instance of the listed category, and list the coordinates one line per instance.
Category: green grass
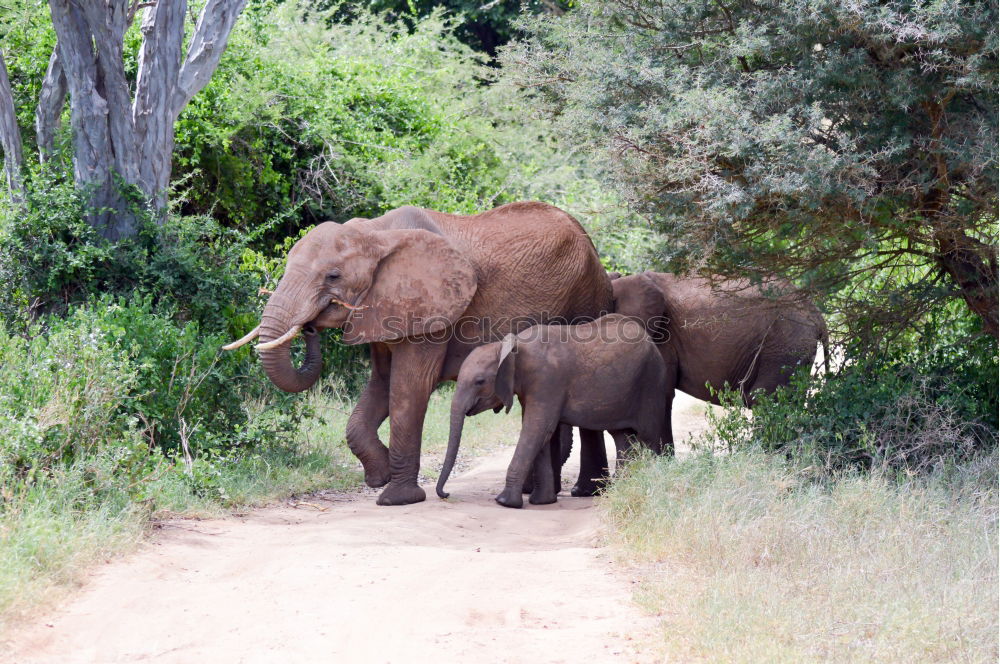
(66, 521)
(747, 559)
(54, 530)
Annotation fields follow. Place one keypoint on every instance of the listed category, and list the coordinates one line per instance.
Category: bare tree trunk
(973, 267)
(93, 157)
(10, 135)
(159, 68)
(114, 136)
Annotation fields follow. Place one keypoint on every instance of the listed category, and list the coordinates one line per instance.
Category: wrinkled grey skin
(736, 335)
(605, 375)
(405, 283)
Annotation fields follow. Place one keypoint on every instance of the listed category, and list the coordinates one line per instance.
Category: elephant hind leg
(627, 443)
(593, 464)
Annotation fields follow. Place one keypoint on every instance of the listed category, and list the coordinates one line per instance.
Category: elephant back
(534, 263)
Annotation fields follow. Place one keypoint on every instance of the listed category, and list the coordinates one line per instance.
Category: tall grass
(55, 529)
(748, 559)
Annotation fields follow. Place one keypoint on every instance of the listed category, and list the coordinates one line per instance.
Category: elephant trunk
(460, 405)
(277, 361)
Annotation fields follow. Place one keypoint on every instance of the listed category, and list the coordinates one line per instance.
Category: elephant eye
(480, 381)
(333, 275)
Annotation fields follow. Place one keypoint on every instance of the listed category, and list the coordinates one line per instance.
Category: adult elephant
(423, 288)
(735, 334)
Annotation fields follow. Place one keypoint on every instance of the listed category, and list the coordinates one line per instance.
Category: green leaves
(338, 121)
(786, 137)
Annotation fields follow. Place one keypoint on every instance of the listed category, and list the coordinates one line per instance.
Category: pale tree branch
(136, 6)
(10, 135)
(50, 104)
(207, 45)
(152, 111)
(115, 135)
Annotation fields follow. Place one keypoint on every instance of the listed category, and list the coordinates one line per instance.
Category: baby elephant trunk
(459, 407)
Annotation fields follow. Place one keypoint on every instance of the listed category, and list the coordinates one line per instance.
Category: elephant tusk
(346, 305)
(253, 334)
(287, 336)
(264, 291)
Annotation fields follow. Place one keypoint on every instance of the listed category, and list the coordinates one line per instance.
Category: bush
(120, 375)
(337, 121)
(51, 258)
(929, 400)
(61, 398)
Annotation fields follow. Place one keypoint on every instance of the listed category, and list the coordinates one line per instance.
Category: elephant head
(639, 297)
(378, 285)
(485, 381)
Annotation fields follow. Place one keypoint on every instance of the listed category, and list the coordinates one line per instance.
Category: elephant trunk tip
(442, 494)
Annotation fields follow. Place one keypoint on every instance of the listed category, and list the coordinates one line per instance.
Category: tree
(484, 25)
(10, 139)
(121, 139)
(844, 145)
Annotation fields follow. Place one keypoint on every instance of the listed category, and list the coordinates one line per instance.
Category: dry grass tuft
(748, 560)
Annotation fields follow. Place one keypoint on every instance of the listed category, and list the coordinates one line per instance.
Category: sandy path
(342, 580)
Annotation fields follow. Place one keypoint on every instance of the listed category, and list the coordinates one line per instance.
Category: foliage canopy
(848, 146)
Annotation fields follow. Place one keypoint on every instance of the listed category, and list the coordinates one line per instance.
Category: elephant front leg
(544, 492)
(369, 413)
(536, 430)
(593, 464)
(416, 367)
(667, 437)
(560, 446)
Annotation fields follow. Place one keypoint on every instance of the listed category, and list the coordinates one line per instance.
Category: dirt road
(338, 579)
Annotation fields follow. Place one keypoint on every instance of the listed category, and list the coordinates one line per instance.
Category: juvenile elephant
(736, 334)
(423, 288)
(605, 374)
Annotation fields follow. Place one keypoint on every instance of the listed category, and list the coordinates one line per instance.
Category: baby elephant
(605, 374)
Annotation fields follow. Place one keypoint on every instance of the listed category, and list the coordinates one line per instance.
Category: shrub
(929, 399)
(118, 373)
(51, 258)
(61, 398)
(333, 121)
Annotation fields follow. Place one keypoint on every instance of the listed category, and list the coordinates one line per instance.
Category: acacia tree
(831, 142)
(123, 130)
(10, 140)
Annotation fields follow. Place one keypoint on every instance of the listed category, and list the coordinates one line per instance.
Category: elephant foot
(585, 489)
(509, 498)
(542, 498)
(401, 494)
(377, 472)
(376, 478)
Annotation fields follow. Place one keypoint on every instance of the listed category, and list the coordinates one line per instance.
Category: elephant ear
(421, 285)
(504, 383)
